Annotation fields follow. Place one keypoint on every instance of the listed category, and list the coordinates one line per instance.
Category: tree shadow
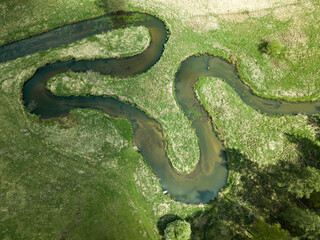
(309, 156)
(111, 5)
(116, 8)
(308, 149)
(165, 220)
(262, 46)
(226, 218)
(259, 190)
(268, 187)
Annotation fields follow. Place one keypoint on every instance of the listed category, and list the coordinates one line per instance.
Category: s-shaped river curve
(210, 174)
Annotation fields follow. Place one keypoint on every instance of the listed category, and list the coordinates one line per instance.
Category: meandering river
(210, 174)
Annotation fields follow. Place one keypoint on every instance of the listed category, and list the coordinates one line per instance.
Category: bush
(178, 230)
(273, 47)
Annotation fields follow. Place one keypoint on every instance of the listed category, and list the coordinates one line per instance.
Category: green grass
(267, 156)
(75, 177)
(79, 177)
(24, 19)
(268, 77)
(261, 137)
(59, 182)
(292, 76)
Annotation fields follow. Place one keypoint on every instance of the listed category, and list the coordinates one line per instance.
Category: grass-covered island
(80, 176)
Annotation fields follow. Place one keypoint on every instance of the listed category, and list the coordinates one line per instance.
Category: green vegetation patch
(273, 164)
(261, 137)
(288, 65)
(104, 189)
(183, 158)
(61, 177)
(24, 19)
(120, 42)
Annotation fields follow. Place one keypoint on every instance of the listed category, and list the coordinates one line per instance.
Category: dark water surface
(210, 175)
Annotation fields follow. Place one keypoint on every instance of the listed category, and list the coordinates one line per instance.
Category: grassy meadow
(60, 177)
(78, 177)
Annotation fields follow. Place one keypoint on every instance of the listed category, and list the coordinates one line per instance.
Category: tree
(263, 231)
(303, 222)
(306, 184)
(315, 199)
(178, 230)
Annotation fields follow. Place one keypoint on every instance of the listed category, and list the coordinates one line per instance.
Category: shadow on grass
(269, 191)
(225, 219)
(111, 5)
(165, 220)
(308, 149)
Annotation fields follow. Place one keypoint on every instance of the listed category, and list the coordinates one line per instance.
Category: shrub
(273, 47)
(178, 230)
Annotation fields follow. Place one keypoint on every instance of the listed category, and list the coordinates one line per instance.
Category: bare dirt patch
(204, 15)
(185, 9)
(297, 14)
(203, 23)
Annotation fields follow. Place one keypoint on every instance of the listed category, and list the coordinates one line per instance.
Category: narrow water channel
(210, 175)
